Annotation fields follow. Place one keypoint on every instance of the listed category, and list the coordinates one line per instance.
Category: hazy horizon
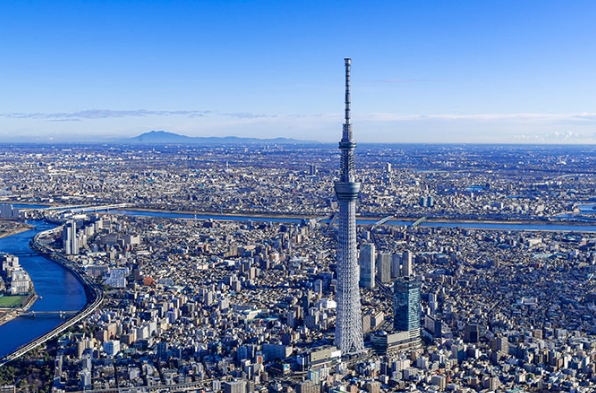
(228, 139)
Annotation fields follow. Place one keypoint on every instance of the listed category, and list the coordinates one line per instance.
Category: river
(59, 290)
(513, 226)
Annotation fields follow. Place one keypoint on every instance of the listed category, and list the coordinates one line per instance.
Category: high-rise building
(406, 305)
(395, 265)
(238, 386)
(427, 201)
(69, 238)
(8, 211)
(66, 231)
(384, 266)
(406, 264)
(348, 328)
(367, 265)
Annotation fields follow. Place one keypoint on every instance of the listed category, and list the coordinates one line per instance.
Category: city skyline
(189, 268)
(490, 72)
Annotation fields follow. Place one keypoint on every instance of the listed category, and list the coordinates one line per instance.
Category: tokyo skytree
(348, 329)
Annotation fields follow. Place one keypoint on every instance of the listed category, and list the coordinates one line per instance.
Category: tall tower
(348, 328)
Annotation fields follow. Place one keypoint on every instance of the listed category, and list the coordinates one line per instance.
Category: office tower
(427, 201)
(8, 211)
(406, 264)
(395, 265)
(430, 201)
(367, 265)
(238, 386)
(472, 333)
(307, 387)
(348, 328)
(66, 239)
(384, 267)
(406, 305)
(69, 238)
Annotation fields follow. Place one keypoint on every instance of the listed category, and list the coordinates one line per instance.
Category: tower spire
(347, 116)
(348, 328)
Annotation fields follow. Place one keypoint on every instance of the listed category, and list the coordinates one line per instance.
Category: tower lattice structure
(348, 329)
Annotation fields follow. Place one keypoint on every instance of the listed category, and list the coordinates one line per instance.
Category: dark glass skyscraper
(406, 304)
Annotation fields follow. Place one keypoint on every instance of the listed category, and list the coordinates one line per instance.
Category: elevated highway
(180, 387)
(87, 208)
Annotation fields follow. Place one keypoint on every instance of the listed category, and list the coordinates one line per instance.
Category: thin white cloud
(244, 115)
(102, 114)
(556, 137)
(405, 80)
(95, 114)
(64, 120)
(546, 117)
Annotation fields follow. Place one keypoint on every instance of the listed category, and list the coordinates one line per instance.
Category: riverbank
(18, 227)
(512, 222)
(8, 314)
(493, 224)
(217, 214)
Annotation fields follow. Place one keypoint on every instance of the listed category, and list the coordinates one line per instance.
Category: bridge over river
(61, 314)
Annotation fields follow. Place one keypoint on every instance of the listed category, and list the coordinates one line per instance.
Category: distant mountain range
(164, 137)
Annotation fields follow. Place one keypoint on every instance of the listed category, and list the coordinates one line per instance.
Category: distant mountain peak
(161, 137)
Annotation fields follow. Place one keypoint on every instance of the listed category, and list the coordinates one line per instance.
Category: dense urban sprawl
(240, 306)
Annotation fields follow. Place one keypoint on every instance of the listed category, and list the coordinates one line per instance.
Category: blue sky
(423, 71)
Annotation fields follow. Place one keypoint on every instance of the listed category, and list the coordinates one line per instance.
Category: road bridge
(24, 254)
(86, 207)
(61, 314)
(418, 222)
(382, 221)
(78, 209)
(100, 208)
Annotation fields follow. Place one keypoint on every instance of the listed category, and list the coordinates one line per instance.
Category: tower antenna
(348, 328)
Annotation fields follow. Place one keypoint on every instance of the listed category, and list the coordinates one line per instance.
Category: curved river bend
(58, 289)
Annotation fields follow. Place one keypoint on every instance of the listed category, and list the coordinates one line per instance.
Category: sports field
(11, 301)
